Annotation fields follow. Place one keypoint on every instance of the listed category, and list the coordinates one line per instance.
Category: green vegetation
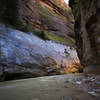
(87, 4)
(42, 34)
(60, 39)
(76, 7)
(10, 15)
(45, 35)
(78, 4)
(21, 26)
(11, 19)
(48, 14)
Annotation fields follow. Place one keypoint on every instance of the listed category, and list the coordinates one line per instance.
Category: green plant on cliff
(76, 7)
(60, 39)
(10, 15)
(79, 4)
(87, 4)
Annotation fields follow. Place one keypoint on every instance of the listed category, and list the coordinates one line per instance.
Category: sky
(67, 1)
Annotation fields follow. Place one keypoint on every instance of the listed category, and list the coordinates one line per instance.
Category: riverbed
(58, 87)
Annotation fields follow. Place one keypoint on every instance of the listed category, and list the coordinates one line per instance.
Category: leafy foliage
(78, 4)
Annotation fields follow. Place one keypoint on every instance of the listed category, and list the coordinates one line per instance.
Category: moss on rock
(60, 39)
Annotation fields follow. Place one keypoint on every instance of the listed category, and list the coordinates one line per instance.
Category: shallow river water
(44, 88)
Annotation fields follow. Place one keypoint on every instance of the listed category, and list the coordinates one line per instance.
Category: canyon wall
(54, 17)
(24, 55)
(87, 30)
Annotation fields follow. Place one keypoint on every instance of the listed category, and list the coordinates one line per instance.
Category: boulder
(21, 56)
(24, 55)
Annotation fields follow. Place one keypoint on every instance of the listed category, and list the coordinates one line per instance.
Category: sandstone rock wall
(24, 55)
(53, 16)
(21, 56)
(87, 29)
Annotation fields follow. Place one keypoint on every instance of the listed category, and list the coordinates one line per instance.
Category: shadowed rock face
(53, 16)
(87, 29)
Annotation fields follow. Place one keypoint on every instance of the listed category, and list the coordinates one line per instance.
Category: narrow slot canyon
(49, 50)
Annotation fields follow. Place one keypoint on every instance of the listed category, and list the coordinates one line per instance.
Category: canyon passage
(49, 50)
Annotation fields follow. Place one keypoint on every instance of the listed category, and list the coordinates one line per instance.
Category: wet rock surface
(46, 88)
(89, 84)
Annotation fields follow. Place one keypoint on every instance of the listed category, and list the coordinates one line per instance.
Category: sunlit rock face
(53, 16)
(24, 55)
(87, 28)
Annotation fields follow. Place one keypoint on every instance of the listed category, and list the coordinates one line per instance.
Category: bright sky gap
(67, 1)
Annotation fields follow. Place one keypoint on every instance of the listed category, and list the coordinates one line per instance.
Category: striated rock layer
(87, 29)
(22, 54)
(53, 16)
